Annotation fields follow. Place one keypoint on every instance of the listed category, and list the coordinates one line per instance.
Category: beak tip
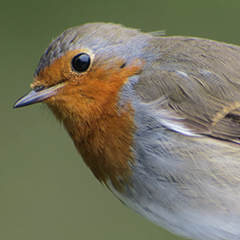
(16, 105)
(28, 99)
(36, 96)
(21, 103)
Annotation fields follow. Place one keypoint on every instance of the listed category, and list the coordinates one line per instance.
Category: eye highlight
(81, 62)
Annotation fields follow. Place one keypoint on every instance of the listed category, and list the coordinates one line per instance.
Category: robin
(155, 118)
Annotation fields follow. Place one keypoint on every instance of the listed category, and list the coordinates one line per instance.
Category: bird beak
(37, 95)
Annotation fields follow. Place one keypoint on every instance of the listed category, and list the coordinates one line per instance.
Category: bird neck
(105, 144)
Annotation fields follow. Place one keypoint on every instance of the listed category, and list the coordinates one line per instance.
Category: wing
(196, 84)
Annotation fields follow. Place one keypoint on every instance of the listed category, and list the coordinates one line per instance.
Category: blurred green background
(46, 191)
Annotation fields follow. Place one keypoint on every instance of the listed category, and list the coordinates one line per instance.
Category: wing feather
(200, 87)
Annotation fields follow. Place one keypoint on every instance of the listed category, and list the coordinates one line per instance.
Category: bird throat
(107, 150)
(100, 128)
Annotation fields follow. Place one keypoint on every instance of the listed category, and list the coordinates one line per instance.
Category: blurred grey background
(46, 191)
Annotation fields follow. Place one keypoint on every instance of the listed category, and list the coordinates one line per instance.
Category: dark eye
(81, 62)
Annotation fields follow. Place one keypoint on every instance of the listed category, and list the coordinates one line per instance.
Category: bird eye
(81, 62)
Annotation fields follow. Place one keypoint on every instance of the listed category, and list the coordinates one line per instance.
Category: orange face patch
(88, 107)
